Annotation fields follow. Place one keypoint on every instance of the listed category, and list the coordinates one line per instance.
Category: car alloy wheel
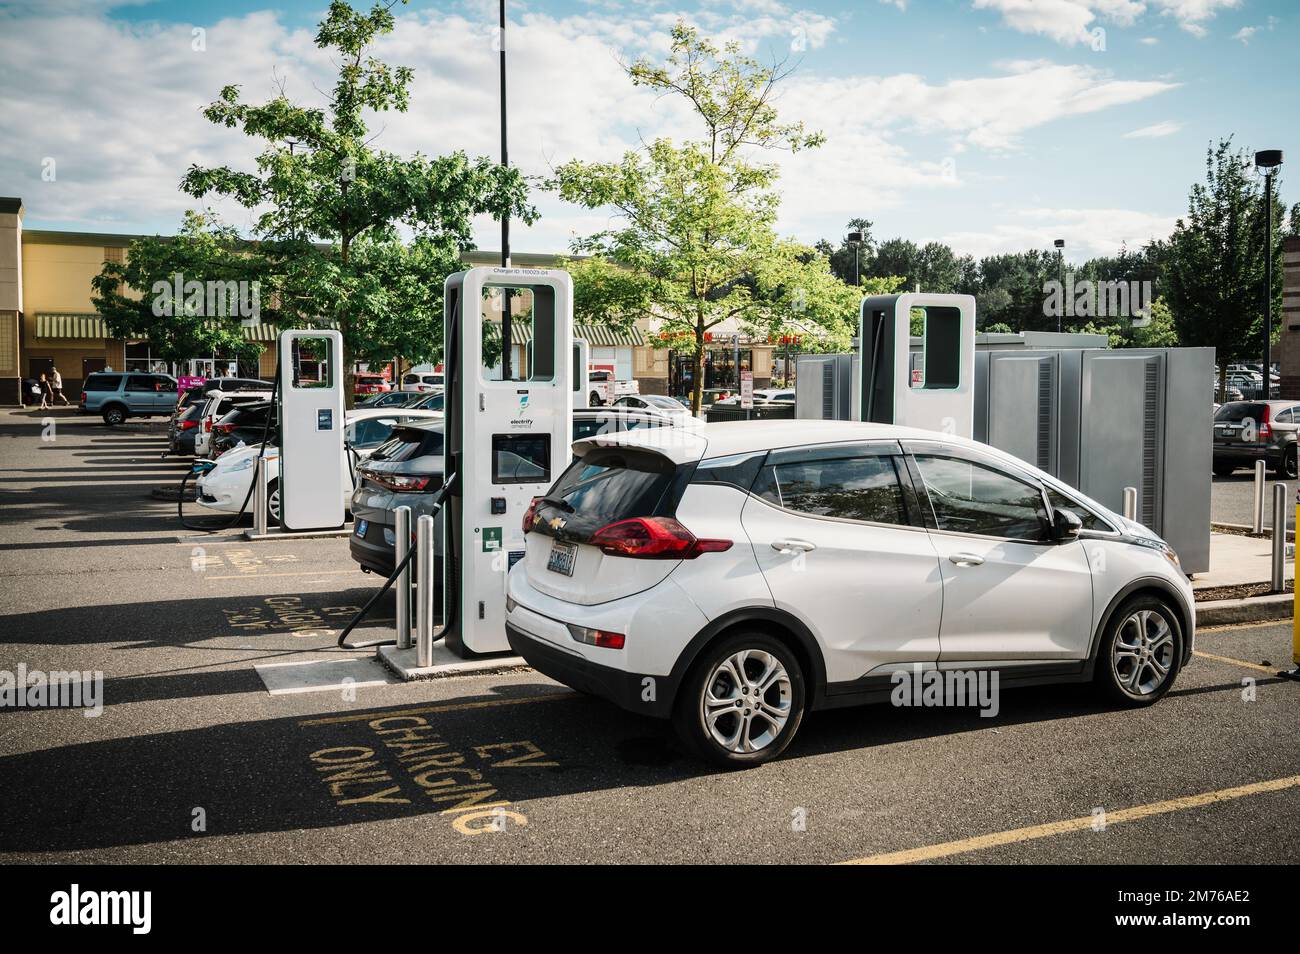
(1143, 654)
(747, 701)
(114, 416)
(273, 501)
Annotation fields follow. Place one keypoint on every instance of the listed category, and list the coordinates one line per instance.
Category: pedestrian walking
(57, 385)
(47, 395)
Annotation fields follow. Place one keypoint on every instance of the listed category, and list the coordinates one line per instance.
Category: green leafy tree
(697, 230)
(1214, 268)
(142, 298)
(330, 206)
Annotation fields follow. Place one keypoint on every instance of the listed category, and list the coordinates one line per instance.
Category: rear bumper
(1272, 453)
(627, 690)
(372, 552)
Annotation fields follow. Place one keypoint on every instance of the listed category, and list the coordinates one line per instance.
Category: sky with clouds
(993, 125)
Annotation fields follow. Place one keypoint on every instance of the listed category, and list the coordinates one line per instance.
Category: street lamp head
(1059, 243)
(1268, 159)
(854, 238)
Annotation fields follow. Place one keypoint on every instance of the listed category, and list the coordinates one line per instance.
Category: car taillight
(207, 425)
(1265, 428)
(397, 481)
(597, 637)
(186, 425)
(530, 513)
(653, 538)
(224, 428)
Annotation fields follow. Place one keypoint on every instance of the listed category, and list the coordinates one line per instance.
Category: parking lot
(192, 759)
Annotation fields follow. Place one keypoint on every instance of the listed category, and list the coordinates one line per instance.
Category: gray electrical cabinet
(1017, 404)
(823, 387)
(1102, 420)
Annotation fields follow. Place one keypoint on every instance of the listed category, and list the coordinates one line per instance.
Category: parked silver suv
(117, 395)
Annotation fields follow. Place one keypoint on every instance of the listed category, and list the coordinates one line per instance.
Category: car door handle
(793, 546)
(966, 559)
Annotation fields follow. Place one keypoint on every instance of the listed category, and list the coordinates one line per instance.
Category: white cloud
(118, 106)
(1166, 128)
(1148, 41)
(1070, 21)
(1245, 33)
(1192, 15)
(1087, 232)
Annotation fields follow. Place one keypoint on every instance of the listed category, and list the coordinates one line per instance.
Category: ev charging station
(581, 373)
(507, 436)
(935, 389)
(310, 389)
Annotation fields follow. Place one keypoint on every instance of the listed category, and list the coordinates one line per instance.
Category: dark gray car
(407, 469)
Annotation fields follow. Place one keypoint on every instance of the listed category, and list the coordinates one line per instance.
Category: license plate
(562, 558)
(362, 527)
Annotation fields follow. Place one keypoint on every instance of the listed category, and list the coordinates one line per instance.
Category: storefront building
(48, 319)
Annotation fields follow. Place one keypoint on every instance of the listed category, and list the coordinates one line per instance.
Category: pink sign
(187, 381)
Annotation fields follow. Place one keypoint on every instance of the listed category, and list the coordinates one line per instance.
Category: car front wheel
(1141, 651)
(742, 701)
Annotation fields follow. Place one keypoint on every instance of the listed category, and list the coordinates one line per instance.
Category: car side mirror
(1065, 525)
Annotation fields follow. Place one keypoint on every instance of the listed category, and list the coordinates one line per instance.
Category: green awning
(91, 325)
(600, 336)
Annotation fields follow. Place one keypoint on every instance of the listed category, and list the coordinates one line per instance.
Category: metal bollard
(401, 543)
(424, 591)
(1130, 503)
(259, 499)
(1278, 584)
(1259, 497)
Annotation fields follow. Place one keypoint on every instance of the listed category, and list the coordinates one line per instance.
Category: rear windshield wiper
(562, 505)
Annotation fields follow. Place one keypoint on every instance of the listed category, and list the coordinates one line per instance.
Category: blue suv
(115, 396)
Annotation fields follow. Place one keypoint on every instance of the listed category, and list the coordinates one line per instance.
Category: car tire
(1141, 638)
(114, 415)
(730, 671)
(273, 502)
(1288, 470)
(1224, 470)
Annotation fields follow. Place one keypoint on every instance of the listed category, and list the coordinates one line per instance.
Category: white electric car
(226, 485)
(740, 574)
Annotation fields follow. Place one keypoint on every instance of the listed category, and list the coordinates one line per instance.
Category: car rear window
(1239, 411)
(408, 443)
(607, 485)
(102, 382)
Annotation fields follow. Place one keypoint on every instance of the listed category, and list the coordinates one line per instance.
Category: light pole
(1060, 278)
(506, 333)
(1268, 160)
(855, 239)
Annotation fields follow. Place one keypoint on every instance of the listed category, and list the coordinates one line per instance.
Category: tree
(698, 218)
(1214, 268)
(329, 205)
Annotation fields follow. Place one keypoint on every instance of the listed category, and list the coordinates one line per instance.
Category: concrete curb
(1266, 535)
(1250, 610)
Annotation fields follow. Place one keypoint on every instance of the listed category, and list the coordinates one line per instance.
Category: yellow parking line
(449, 707)
(266, 576)
(1137, 813)
(1235, 662)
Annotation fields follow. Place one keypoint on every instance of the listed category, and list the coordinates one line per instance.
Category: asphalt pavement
(193, 760)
